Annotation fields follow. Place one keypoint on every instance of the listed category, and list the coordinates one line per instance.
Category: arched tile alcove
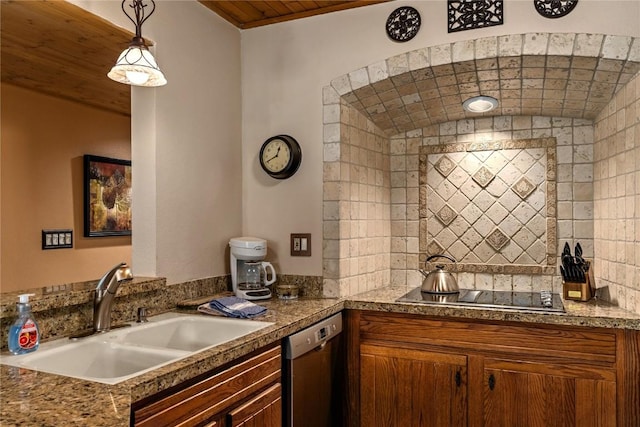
(377, 118)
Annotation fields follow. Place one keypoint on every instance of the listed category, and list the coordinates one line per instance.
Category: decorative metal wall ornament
(403, 24)
(554, 8)
(472, 14)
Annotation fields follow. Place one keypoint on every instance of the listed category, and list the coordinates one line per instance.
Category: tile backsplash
(492, 203)
(517, 188)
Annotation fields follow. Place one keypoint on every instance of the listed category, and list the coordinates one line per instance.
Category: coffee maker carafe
(250, 275)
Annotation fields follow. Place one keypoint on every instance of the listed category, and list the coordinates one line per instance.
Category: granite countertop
(30, 398)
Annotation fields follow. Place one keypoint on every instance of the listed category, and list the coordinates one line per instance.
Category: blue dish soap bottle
(24, 335)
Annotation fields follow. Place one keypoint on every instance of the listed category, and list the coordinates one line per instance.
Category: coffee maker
(250, 275)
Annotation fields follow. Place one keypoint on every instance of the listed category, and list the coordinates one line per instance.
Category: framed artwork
(107, 196)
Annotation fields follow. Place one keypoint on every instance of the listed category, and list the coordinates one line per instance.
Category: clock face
(276, 155)
(280, 156)
(403, 24)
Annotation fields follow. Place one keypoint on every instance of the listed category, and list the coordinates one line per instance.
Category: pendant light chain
(139, 11)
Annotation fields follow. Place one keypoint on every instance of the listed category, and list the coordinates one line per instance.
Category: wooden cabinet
(247, 394)
(404, 387)
(265, 410)
(517, 394)
(425, 371)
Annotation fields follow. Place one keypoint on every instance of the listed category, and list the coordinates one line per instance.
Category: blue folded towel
(233, 307)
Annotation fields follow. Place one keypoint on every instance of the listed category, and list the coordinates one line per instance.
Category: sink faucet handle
(142, 315)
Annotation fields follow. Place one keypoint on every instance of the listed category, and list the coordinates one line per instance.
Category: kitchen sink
(100, 361)
(190, 334)
(124, 353)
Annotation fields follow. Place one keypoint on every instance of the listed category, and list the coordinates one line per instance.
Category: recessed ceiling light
(480, 104)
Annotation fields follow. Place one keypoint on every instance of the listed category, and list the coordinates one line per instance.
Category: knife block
(580, 291)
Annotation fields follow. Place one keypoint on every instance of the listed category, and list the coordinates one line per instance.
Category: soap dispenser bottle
(24, 335)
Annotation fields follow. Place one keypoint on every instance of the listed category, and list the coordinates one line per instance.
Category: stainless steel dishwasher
(313, 375)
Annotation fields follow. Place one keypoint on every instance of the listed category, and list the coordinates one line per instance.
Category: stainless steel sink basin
(122, 354)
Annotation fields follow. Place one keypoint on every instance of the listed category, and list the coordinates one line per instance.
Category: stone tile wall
(492, 206)
(534, 74)
(573, 202)
(617, 198)
(549, 86)
(356, 206)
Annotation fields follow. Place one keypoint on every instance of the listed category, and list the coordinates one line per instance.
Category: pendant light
(136, 65)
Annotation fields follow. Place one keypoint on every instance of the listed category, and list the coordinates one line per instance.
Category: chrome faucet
(105, 291)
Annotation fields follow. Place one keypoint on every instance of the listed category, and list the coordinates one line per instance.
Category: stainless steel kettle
(439, 281)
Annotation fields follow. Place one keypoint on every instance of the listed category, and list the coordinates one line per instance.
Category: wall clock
(403, 24)
(280, 156)
(555, 8)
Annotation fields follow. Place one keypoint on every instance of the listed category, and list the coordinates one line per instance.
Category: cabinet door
(265, 410)
(535, 395)
(407, 387)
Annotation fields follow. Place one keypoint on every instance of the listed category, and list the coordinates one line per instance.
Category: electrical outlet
(300, 244)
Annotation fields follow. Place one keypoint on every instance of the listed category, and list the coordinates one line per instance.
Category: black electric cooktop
(544, 301)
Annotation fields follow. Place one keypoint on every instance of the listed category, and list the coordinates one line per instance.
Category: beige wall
(617, 197)
(43, 141)
(186, 143)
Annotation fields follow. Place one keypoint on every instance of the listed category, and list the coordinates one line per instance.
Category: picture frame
(107, 196)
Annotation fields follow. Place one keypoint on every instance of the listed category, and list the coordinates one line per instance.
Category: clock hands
(277, 152)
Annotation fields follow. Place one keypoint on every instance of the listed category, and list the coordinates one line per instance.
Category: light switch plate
(57, 239)
(300, 244)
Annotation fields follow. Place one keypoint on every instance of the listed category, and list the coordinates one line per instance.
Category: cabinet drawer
(265, 410)
(199, 402)
(538, 342)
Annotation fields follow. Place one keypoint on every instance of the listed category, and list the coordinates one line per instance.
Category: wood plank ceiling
(251, 14)
(59, 49)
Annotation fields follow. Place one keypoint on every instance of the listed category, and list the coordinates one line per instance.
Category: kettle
(439, 281)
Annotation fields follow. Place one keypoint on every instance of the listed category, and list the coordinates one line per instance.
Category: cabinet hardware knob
(492, 382)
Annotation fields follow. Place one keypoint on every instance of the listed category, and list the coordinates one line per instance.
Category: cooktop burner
(537, 301)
